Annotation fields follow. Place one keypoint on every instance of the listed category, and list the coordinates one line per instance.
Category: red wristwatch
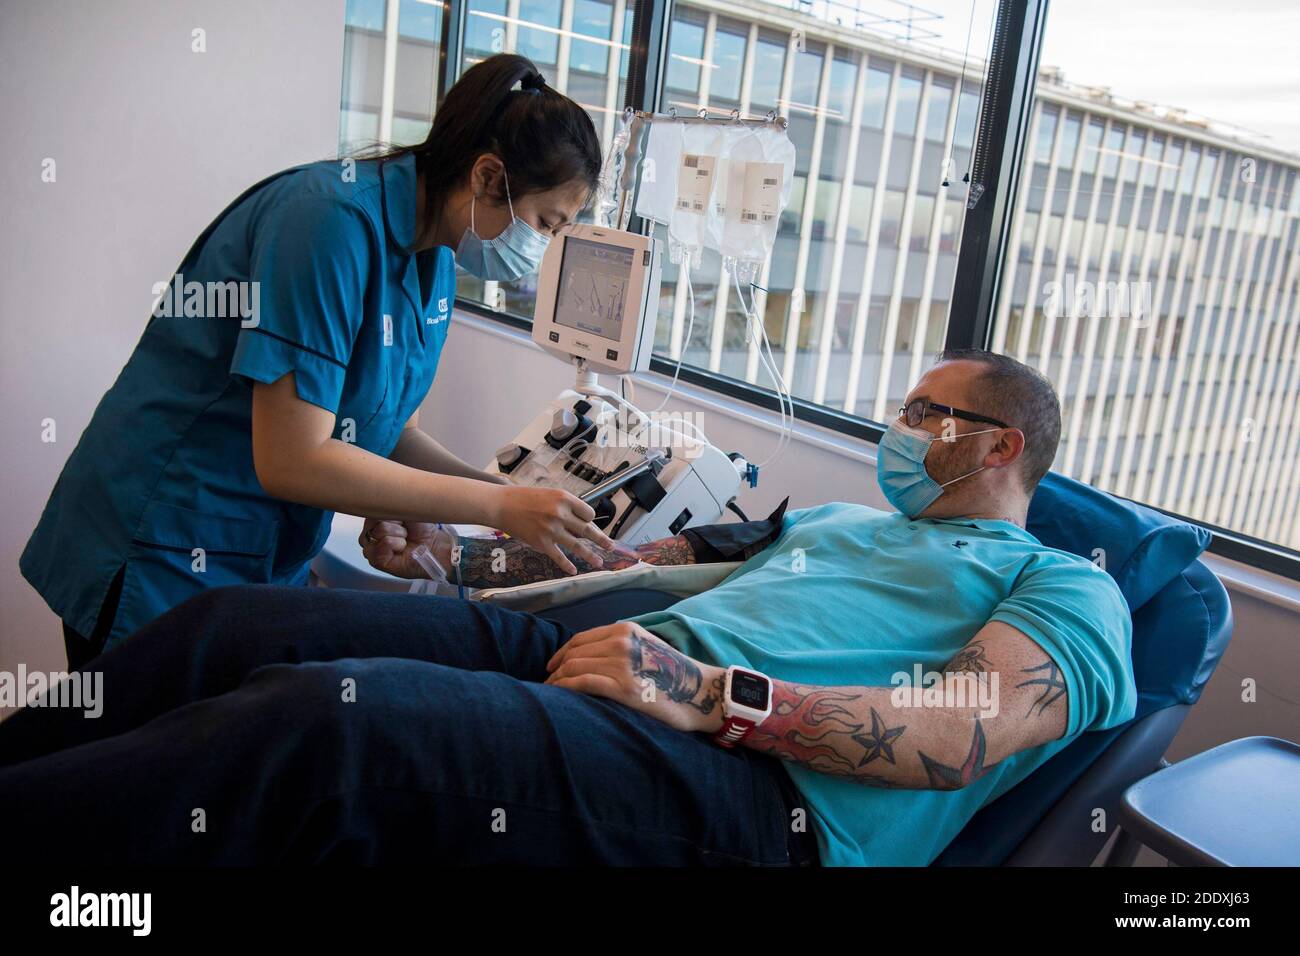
(746, 703)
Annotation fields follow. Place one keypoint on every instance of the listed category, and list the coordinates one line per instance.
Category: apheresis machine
(648, 475)
(714, 182)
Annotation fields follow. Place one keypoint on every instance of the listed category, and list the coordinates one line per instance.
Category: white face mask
(900, 468)
(517, 251)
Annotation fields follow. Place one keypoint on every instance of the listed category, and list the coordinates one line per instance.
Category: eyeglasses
(914, 412)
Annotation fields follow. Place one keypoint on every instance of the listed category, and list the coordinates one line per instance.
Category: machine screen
(594, 277)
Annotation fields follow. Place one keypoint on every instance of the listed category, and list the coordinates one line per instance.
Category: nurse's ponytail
(504, 106)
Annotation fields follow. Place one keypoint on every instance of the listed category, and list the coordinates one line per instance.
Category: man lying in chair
(852, 694)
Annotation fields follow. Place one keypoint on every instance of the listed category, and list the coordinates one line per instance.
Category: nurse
(279, 377)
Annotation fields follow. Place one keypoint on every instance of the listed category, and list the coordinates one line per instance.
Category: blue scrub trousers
(260, 724)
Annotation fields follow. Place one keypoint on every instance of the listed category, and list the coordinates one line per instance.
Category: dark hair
(544, 138)
(1023, 398)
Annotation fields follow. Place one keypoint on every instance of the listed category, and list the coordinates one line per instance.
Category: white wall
(150, 141)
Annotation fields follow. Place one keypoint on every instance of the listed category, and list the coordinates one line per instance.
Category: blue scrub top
(165, 466)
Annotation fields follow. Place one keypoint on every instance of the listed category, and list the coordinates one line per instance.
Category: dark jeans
(271, 724)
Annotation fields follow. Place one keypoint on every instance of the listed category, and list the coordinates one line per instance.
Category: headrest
(1142, 549)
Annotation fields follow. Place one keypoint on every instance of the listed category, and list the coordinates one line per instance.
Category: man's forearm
(860, 734)
(505, 562)
(1002, 693)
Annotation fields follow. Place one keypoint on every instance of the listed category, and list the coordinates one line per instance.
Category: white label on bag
(693, 181)
(761, 198)
(388, 329)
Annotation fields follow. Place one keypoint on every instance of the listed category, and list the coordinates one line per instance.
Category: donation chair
(1181, 625)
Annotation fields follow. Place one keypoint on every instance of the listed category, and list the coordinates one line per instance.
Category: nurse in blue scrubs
(279, 378)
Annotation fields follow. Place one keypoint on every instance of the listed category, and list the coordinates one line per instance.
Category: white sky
(1236, 62)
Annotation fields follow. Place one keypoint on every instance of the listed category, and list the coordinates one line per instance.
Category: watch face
(749, 690)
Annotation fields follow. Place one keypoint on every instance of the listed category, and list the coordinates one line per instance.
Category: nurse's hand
(550, 520)
(387, 545)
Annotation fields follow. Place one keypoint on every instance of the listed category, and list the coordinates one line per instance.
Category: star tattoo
(944, 777)
(880, 741)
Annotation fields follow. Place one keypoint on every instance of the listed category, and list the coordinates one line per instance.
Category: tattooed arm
(505, 562)
(627, 663)
(1014, 699)
(859, 733)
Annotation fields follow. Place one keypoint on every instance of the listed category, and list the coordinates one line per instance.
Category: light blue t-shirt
(850, 596)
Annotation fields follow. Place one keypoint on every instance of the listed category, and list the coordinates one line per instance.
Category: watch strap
(733, 731)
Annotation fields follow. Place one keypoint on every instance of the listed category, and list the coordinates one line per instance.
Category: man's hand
(628, 664)
(387, 545)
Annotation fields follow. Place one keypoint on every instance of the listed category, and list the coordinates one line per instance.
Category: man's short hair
(1022, 397)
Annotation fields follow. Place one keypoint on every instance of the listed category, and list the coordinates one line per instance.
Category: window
(592, 18)
(769, 68)
(730, 41)
(1178, 372)
(685, 57)
(893, 217)
(859, 279)
(575, 61)
(582, 46)
(865, 252)
(371, 111)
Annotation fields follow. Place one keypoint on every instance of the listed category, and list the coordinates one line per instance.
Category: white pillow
(680, 579)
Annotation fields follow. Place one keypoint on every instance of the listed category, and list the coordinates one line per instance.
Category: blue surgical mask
(516, 252)
(900, 468)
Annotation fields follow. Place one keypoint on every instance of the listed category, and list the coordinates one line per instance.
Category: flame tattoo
(801, 717)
